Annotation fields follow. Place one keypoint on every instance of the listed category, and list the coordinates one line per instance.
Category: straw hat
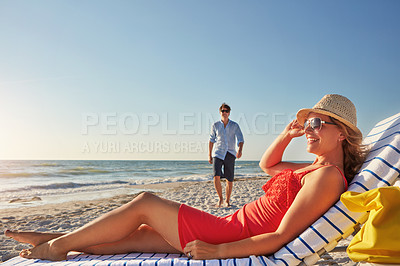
(336, 106)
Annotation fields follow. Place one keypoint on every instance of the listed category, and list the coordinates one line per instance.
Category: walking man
(224, 135)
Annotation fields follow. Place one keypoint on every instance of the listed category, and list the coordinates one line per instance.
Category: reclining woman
(296, 196)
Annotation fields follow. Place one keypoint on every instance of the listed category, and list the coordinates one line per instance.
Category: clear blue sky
(144, 79)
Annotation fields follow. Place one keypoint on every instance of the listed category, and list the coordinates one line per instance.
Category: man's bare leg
(229, 186)
(218, 188)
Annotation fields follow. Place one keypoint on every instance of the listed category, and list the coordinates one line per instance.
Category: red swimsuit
(258, 217)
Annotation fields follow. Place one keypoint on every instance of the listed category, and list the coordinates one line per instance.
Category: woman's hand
(200, 250)
(271, 162)
(294, 129)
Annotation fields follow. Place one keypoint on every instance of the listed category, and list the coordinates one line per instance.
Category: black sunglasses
(316, 123)
(225, 111)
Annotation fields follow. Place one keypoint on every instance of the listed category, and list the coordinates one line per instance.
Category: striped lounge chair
(381, 168)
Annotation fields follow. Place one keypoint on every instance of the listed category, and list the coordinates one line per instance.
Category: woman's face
(324, 140)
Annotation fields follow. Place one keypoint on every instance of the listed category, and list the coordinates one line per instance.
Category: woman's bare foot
(33, 238)
(45, 251)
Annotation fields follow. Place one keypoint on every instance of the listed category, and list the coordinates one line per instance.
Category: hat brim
(302, 115)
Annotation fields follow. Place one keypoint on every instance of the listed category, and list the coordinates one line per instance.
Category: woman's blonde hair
(353, 149)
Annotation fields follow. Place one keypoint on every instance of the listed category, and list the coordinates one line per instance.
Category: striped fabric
(381, 168)
(137, 259)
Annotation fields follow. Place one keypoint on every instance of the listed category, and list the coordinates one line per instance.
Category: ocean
(31, 183)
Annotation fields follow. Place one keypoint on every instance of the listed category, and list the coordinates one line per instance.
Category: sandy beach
(68, 216)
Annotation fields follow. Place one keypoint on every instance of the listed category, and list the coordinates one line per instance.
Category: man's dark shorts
(229, 167)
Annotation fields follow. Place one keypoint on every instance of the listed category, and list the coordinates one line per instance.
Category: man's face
(224, 113)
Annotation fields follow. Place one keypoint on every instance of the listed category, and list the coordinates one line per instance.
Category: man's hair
(225, 106)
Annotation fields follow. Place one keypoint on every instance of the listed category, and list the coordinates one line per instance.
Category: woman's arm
(320, 191)
(271, 162)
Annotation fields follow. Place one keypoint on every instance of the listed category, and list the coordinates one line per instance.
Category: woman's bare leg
(159, 214)
(144, 239)
(33, 238)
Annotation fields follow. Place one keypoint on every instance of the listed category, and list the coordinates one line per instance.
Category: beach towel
(137, 259)
(380, 169)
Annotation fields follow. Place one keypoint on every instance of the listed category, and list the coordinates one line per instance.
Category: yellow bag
(379, 239)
